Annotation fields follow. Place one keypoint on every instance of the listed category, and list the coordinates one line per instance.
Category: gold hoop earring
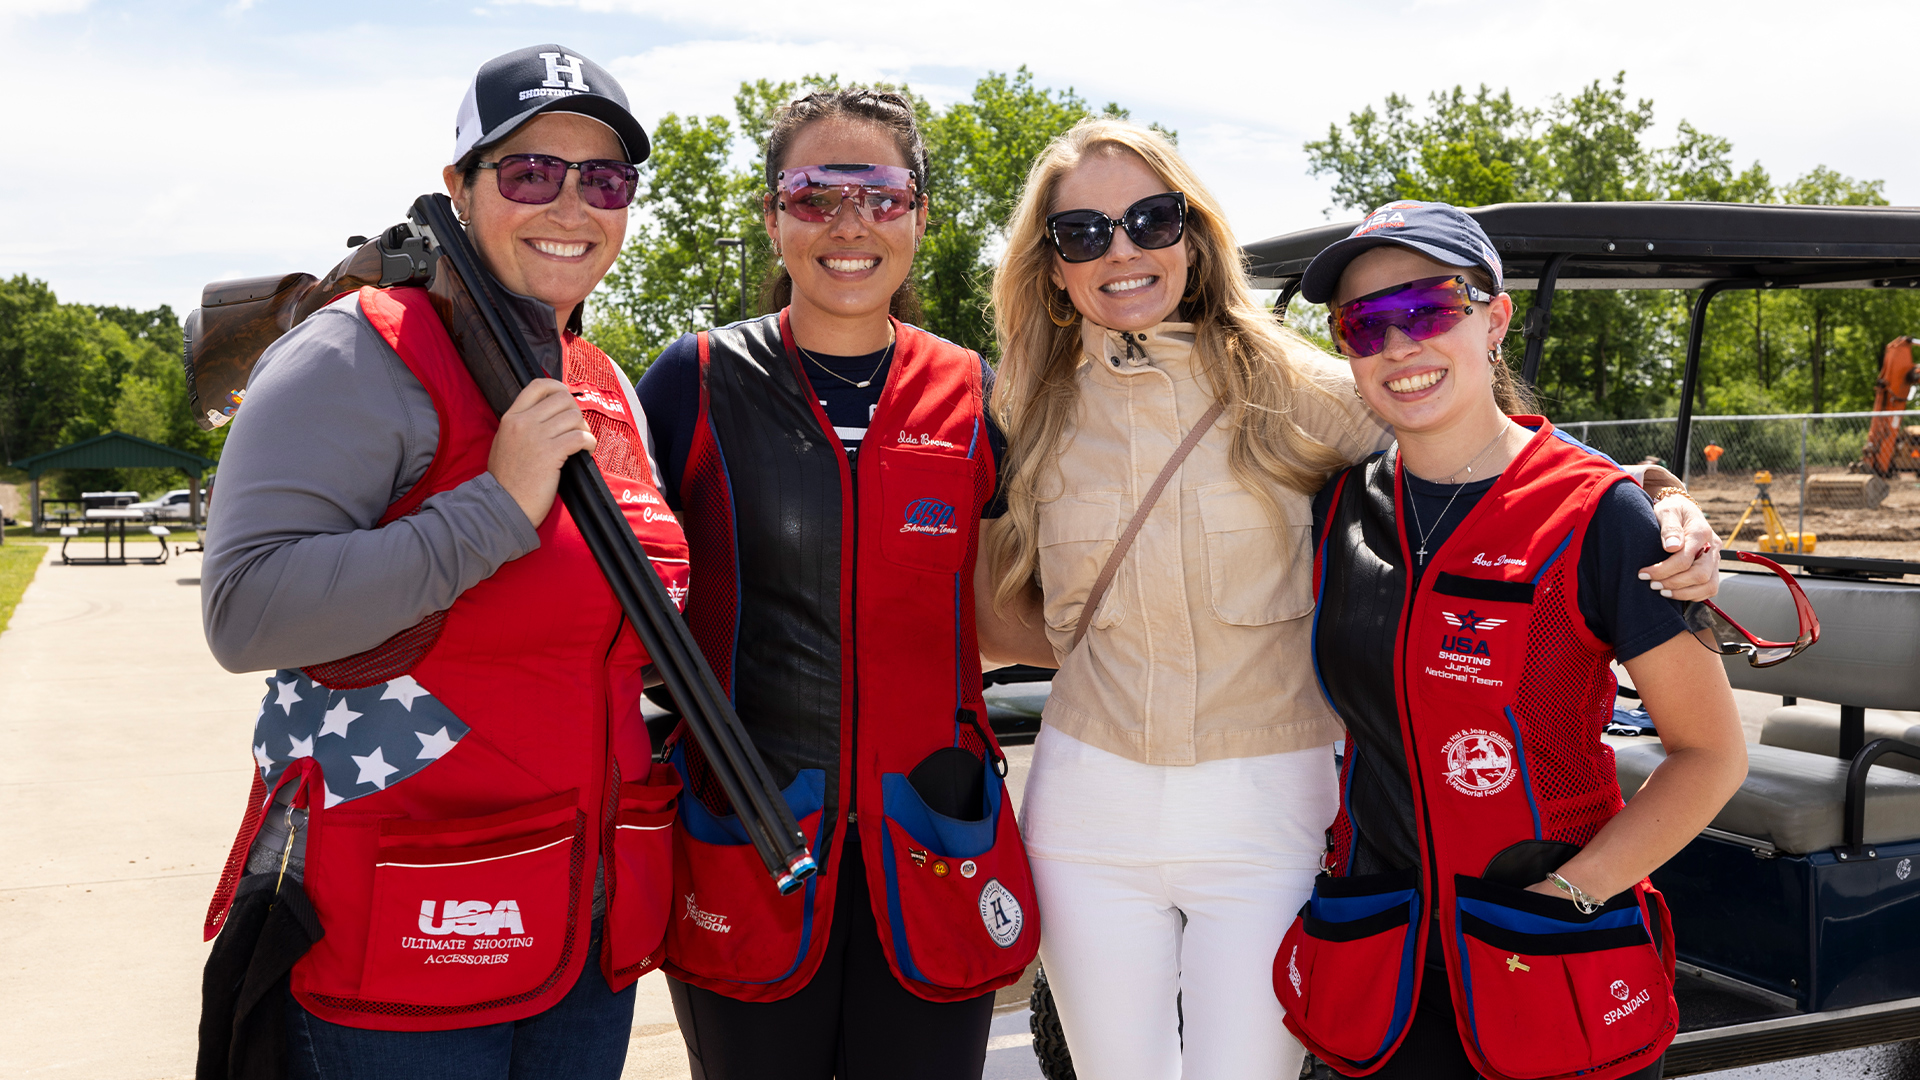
(1072, 316)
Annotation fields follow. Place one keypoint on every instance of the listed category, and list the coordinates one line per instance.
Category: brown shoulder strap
(1152, 496)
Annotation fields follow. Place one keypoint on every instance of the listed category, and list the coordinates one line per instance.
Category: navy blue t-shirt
(669, 394)
(1622, 537)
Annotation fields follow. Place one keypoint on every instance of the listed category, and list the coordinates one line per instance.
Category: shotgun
(241, 318)
(238, 319)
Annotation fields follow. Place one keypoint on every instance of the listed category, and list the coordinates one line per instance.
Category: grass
(18, 561)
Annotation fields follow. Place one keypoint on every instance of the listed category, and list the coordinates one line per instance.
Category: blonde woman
(1183, 779)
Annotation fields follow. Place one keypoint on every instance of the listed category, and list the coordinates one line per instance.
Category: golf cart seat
(1794, 801)
(1815, 729)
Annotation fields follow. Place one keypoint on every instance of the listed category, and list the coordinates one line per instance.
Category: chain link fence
(1780, 443)
(1819, 480)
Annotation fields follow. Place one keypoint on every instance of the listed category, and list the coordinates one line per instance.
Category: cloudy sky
(161, 145)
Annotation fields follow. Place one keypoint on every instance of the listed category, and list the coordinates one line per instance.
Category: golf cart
(1795, 913)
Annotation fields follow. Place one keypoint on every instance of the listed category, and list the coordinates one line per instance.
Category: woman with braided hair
(832, 463)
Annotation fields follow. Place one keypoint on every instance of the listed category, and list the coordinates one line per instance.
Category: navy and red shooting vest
(1474, 703)
(836, 607)
(463, 779)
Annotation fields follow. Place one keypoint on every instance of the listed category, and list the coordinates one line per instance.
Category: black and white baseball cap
(512, 89)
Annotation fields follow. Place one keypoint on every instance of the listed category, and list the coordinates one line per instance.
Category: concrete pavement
(124, 768)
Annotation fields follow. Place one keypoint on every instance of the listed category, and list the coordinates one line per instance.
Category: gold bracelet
(1587, 903)
(1680, 491)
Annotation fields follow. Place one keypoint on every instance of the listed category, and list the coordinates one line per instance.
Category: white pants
(1120, 942)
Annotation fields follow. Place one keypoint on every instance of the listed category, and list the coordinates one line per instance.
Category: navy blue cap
(1441, 232)
(511, 89)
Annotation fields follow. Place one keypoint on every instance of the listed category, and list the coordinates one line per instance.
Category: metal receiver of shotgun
(503, 364)
(238, 319)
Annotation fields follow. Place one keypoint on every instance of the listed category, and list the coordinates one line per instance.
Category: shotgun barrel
(459, 280)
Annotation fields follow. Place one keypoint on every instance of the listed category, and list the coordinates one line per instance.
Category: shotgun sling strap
(1152, 496)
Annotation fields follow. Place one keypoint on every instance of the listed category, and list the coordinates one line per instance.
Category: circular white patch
(1479, 762)
(1001, 913)
(968, 869)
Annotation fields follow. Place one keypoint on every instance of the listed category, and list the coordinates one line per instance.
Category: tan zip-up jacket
(1201, 648)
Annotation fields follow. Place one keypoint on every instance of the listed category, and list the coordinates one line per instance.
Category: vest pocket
(467, 912)
(726, 921)
(927, 510)
(1345, 970)
(960, 908)
(643, 874)
(1257, 573)
(1550, 991)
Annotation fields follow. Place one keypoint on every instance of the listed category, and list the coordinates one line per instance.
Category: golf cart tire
(1049, 1040)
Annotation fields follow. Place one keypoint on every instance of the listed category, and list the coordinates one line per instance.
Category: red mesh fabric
(1340, 833)
(701, 782)
(576, 873)
(1566, 697)
(384, 662)
(237, 858)
(713, 599)
(971, 742)
(613, 448)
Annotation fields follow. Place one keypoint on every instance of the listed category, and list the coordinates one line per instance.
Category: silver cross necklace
(1414, 505)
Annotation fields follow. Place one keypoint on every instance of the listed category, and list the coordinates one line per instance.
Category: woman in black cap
(1474, 583)
(833, 463)
(452, 762)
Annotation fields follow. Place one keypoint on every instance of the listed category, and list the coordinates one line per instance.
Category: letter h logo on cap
(555, 69)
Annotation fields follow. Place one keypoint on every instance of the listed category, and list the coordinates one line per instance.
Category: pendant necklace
(1414, 505)
(863, 383)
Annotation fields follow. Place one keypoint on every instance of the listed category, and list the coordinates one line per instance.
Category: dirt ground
(1888, 531)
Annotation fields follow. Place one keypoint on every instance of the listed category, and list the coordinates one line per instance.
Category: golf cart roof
(1664, 245)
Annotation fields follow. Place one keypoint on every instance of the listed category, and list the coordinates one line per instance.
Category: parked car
(173, 506)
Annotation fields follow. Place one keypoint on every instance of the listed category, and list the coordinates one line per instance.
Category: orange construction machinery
(1892, 447)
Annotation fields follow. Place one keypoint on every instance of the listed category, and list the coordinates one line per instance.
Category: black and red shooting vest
(1474, 703)
(836, 607)
(464, 778)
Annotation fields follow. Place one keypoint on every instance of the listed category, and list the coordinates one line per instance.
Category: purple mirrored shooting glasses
(536, 179)
(1420, 309)
(817, 192)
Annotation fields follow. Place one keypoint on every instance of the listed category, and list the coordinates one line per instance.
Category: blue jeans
(582, 1037)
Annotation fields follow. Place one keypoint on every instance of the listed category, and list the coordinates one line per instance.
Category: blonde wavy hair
(1253, 363)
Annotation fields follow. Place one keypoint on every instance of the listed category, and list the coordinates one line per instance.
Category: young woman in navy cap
(1485, 910)
(452, 762)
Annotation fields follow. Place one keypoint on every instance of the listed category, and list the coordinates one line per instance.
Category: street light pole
(736, 242)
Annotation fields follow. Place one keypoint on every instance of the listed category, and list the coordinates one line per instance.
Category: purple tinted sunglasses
(1421, 309)
(536, 179)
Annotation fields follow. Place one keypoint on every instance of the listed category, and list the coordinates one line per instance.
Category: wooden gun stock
(238, 319)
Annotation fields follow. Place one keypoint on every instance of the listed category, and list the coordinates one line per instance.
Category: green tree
(979, 152)
(1617, 354)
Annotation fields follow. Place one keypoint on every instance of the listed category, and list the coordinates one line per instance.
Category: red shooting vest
(1501, 693)
(455, 887)
(837, 611)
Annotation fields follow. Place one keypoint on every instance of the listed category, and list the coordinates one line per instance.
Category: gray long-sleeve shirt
(336, 429)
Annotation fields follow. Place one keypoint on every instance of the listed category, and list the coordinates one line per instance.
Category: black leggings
(853, 1020)
(1432, 1050)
